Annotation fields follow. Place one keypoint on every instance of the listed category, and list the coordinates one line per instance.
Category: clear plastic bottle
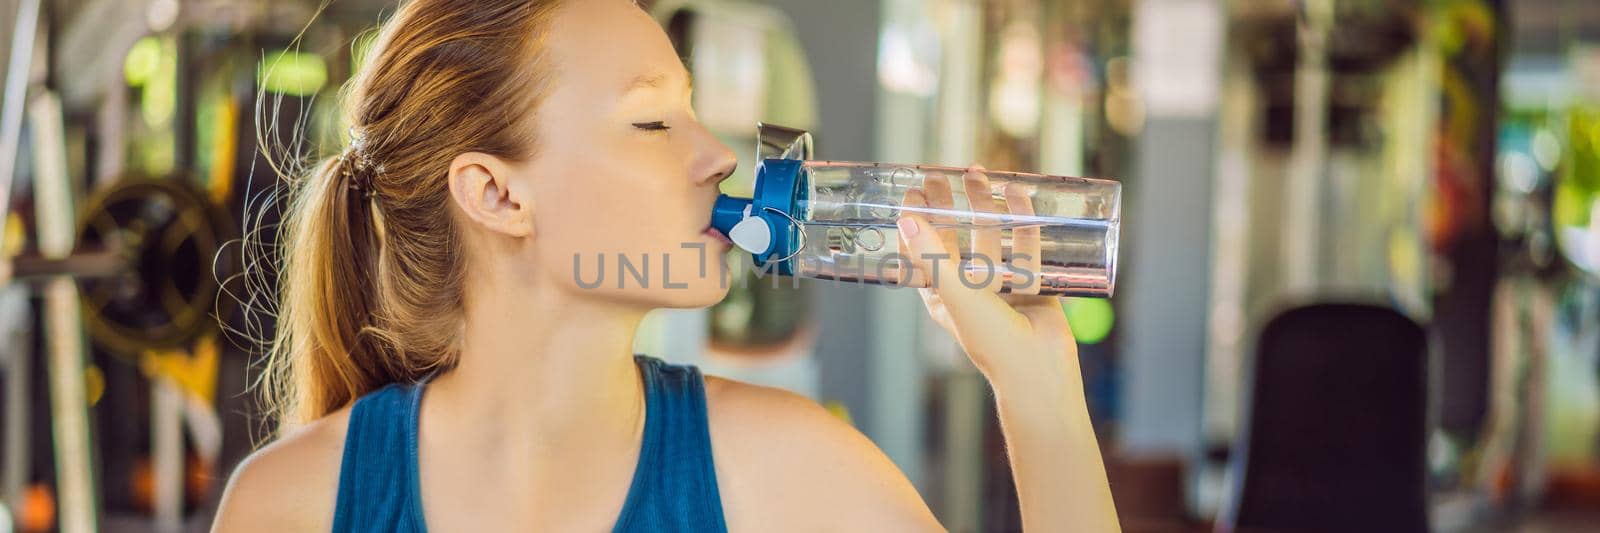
(1025, 233)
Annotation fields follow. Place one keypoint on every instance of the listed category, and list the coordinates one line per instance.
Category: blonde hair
(371, 279)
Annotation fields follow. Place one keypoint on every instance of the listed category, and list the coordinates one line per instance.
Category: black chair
(1337, 433)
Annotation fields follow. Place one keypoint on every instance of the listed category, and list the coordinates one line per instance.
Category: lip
(718, 235)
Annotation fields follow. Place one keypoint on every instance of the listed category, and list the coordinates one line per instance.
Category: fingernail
(908, 227)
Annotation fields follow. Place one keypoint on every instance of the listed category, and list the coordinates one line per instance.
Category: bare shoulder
(779, 454)
(288, 485)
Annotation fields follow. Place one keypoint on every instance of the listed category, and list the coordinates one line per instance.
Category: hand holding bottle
(1023, 345)
(1008, 336)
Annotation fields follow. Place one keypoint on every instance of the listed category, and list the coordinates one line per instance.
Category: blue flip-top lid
(779, 199)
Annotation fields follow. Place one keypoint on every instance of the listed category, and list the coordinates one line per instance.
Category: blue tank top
(674, 484)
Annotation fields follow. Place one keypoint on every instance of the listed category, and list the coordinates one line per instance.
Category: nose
(716, 162)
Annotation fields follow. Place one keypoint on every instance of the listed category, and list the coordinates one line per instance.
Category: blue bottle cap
(779, 198)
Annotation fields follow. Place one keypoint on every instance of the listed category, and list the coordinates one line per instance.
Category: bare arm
(1055, 458)
(1022, 343)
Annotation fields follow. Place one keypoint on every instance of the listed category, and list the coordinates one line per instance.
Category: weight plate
(171, 234)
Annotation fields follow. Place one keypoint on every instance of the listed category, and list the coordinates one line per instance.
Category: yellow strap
(194, 373)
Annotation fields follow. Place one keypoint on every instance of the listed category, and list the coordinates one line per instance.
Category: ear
(482, 187)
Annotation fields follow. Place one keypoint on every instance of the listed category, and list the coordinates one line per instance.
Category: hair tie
(356, 156)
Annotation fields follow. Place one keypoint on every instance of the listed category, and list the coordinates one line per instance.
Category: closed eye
(652, 126)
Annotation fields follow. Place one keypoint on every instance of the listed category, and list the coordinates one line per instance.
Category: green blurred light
(154, 155)
(1091, 318)
(292, 73)
(158, 97)
(1579, 184)
(142, 62)
(214, 100)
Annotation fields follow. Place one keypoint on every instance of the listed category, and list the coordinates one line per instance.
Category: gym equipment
(154, 271)
(144, 279)
(24, 34)
(148, 289)
(66, 351)
(1337, 436)
(53, 198)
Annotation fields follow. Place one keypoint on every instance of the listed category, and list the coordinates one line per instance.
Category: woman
(495, 141)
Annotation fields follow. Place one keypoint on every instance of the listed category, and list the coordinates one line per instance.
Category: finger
(1026, 251)
(937, 189)
(986, 214)
(964, 305)
(905, 274)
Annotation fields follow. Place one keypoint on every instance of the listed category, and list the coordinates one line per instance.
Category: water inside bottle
(1074, 258)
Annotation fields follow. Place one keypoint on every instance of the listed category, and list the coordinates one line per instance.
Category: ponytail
(373, 266)
(327, 330)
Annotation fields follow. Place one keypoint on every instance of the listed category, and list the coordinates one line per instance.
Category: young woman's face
(624, 174)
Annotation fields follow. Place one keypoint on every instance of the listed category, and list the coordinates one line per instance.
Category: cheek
(613, 194)
(605, 208)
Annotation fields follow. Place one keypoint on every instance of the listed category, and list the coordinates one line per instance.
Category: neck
(550, 368)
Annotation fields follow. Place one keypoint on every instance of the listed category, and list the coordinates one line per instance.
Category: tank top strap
(675, 482)
(378, 482)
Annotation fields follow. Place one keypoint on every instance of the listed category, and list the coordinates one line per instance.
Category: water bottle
(1009, 232)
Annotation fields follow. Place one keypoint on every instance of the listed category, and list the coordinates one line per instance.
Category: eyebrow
(654, 81)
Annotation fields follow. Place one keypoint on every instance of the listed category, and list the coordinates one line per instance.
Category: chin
(691, 297)
(696, 295)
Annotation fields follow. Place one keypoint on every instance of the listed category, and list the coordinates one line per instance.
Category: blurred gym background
(1361, 267)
